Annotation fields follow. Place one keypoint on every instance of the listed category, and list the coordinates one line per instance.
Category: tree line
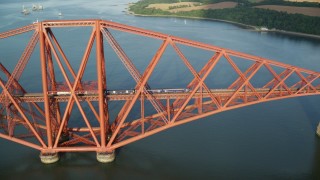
(262, 17)
(242, 14)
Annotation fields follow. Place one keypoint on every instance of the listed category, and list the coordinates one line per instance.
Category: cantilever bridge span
(43, 120)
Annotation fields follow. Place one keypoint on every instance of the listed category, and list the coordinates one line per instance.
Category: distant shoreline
(231, 22)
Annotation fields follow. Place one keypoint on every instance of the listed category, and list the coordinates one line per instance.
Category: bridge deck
(120, 95)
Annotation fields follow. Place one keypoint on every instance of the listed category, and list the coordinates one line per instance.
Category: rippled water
(273, 140)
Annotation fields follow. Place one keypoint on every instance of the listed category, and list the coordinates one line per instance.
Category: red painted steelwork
(45, 117)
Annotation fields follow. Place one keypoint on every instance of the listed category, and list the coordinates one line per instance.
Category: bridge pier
(106, 157)
(318, 130)
(49, 158)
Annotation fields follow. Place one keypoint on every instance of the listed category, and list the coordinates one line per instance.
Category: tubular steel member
(48, 155)
(45, 118)
(318, 129)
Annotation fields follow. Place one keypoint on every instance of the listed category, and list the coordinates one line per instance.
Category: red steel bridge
(41, 120)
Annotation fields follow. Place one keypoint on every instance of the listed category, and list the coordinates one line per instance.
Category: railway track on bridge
(223, 93)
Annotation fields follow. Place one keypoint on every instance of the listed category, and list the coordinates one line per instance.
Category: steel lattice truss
(41, 121)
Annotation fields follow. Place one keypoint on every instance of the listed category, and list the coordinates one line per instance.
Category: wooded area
(245, 13)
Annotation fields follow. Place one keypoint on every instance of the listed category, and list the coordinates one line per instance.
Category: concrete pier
(318, 129)
(49, 158)
(106, 157)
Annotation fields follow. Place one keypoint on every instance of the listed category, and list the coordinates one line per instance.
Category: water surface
(273, 140)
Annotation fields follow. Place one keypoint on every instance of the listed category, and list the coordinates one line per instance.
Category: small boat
(40, 7)
(34, 7)
(35, 22)
(37, 7)
(60, 13)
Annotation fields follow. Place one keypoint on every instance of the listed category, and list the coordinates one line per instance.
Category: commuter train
(107, 92)
(66, 93)
(132, 91)
(180, 90)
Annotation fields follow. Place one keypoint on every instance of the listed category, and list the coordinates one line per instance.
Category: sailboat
(60, 13)
(25, 11)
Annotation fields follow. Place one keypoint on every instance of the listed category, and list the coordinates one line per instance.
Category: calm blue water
(274, 140)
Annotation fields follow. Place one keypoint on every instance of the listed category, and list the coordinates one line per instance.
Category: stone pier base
(106, 157)
(49, 158)
(318, 129)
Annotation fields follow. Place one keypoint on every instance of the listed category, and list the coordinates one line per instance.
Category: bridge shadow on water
(311, 107)
(316, 165)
